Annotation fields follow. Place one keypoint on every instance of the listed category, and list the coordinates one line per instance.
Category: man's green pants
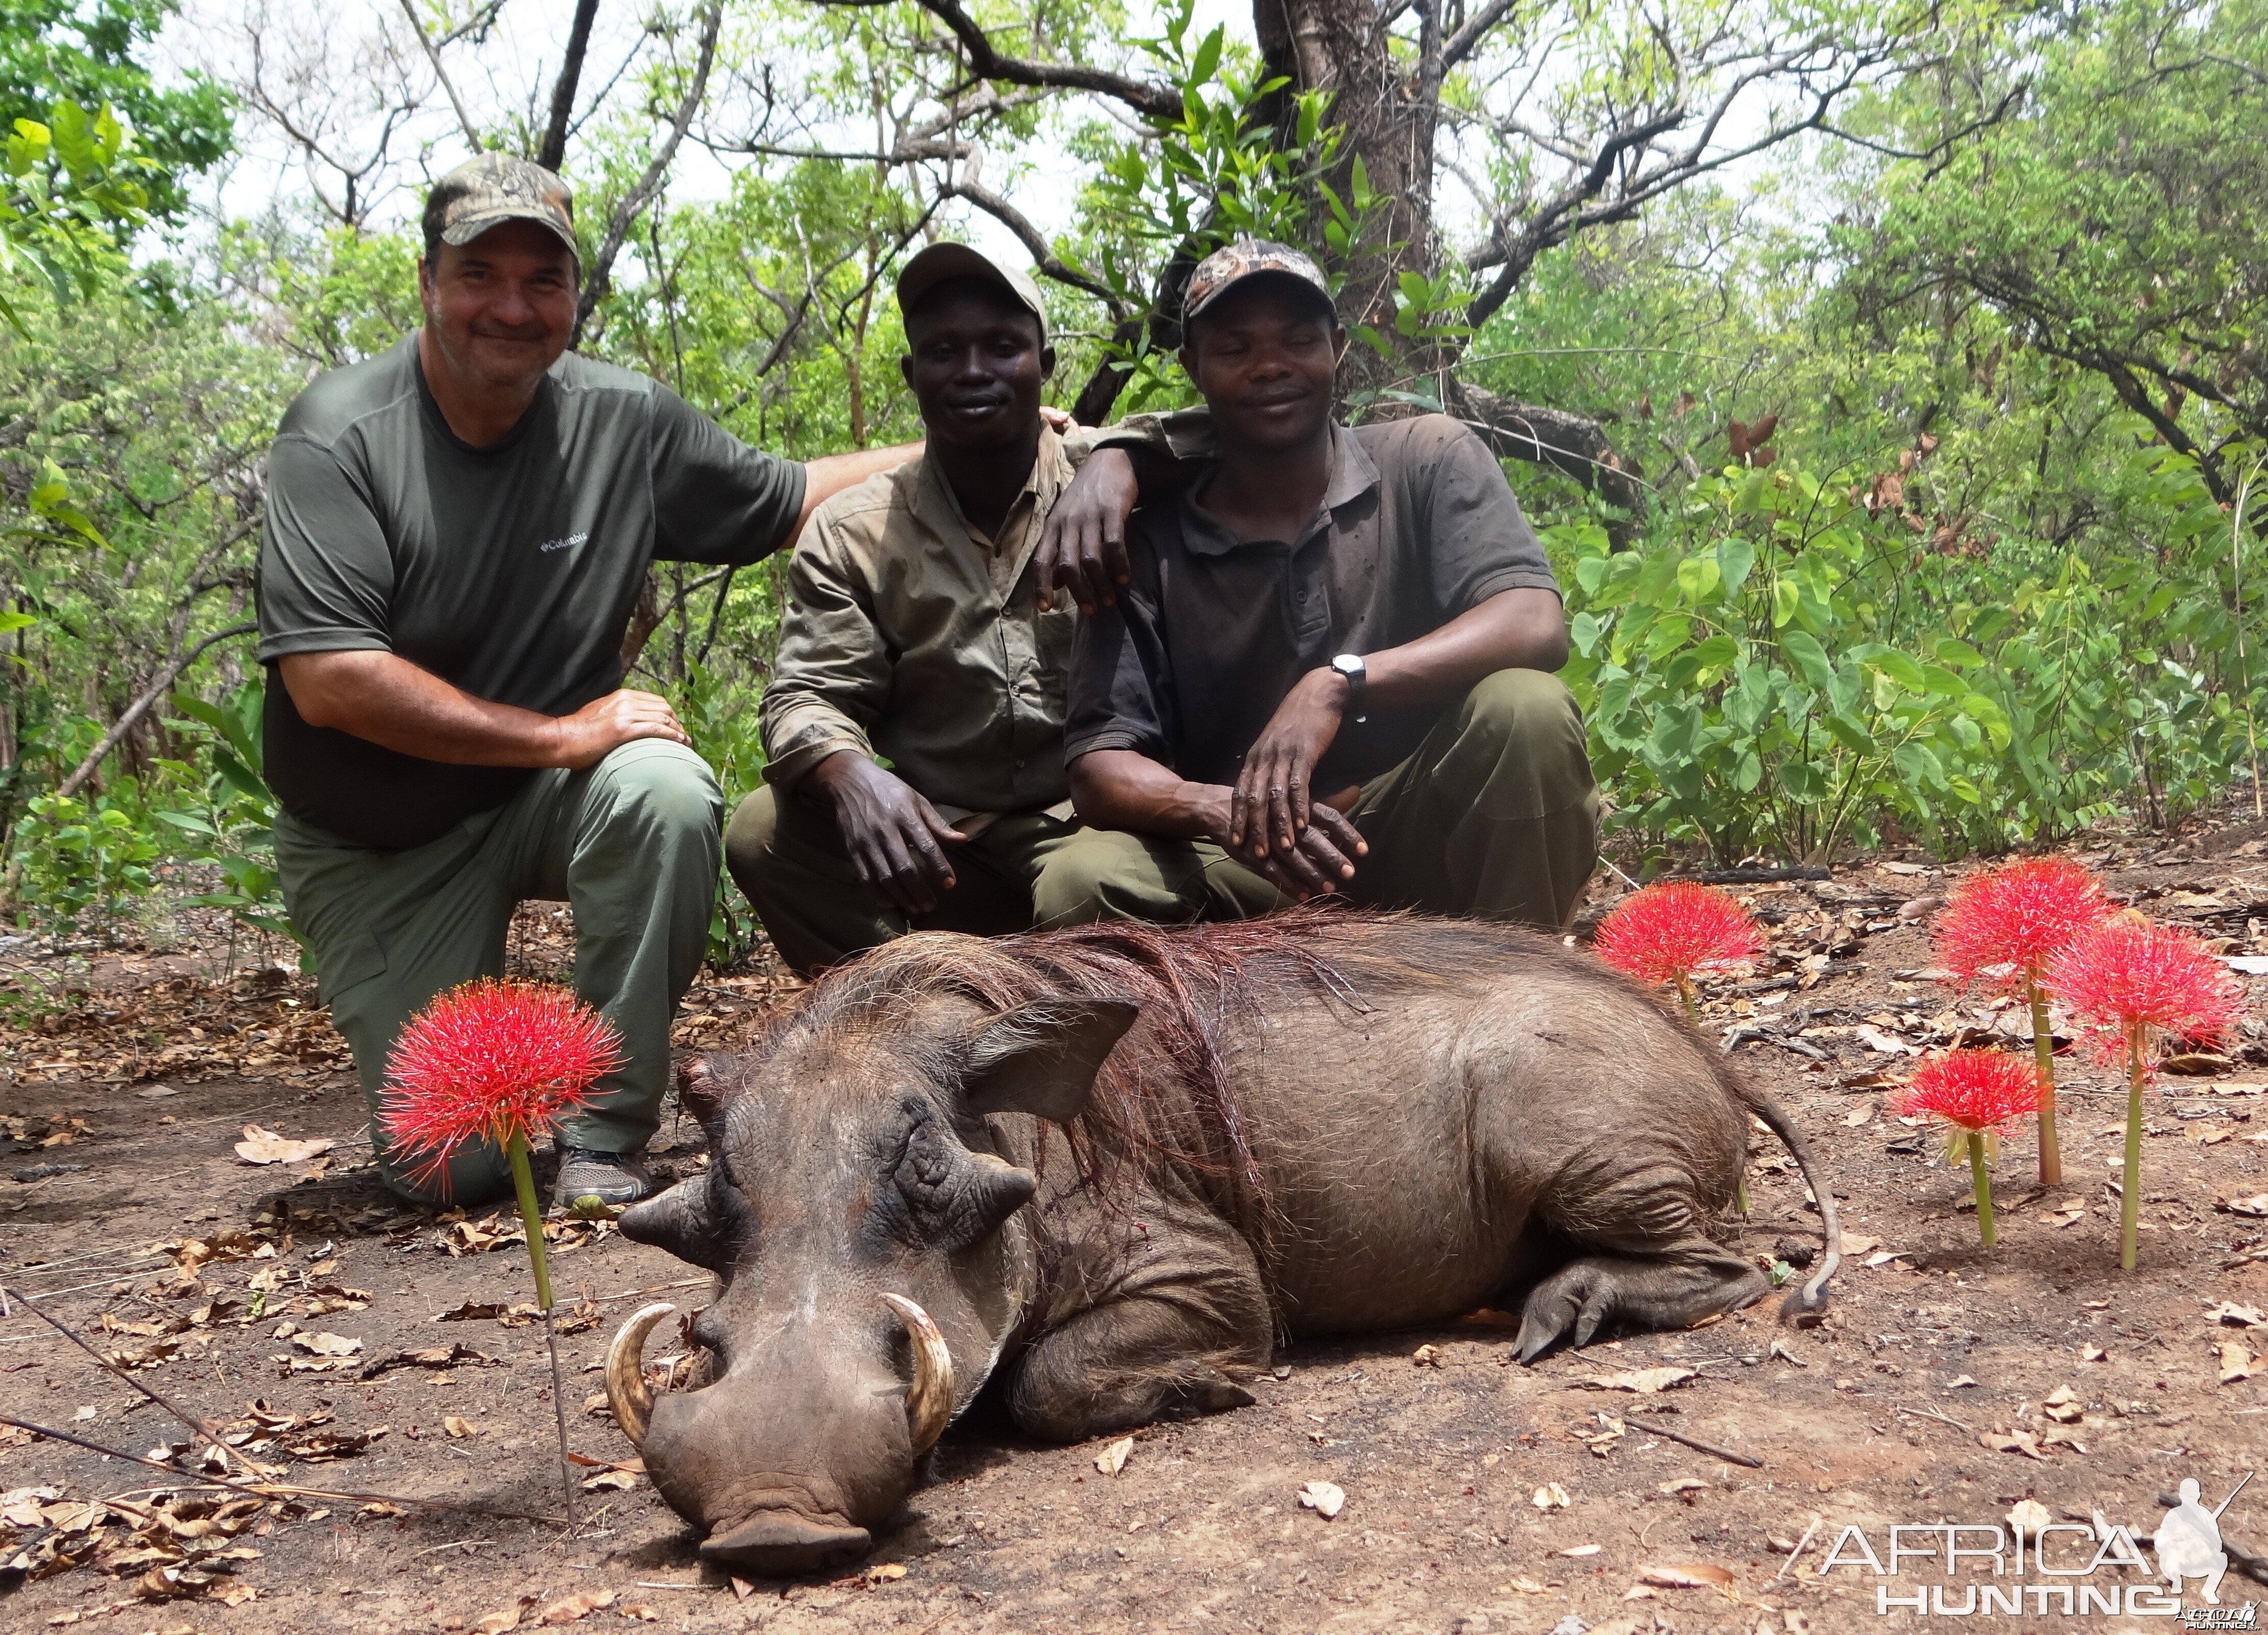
(1494, 816)
(629, 843)
(786, 854)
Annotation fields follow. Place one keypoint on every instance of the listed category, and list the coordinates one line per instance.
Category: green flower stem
(2044, 1052)
(1983, 1180)
(523, 1183)
(2129, 1198)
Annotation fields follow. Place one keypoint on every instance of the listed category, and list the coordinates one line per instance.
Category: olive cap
(939, 262)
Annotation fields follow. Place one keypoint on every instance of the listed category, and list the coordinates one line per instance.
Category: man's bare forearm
(1126, 790)
(1515, 629)
(398, 705)
(391, 702)
(830, 474)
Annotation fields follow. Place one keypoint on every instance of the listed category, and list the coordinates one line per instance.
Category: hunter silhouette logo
(2188, 1542)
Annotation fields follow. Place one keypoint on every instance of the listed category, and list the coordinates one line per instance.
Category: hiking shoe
(592, 1180)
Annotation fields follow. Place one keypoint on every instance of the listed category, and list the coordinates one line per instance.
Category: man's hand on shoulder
(1083, 544)
(894, 836)
(585, 737)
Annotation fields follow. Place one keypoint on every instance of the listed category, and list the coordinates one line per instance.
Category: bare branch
(140, 707)
(553, 150)
(596, 285)
(472, 131)
(1034, 240)
(1148, 98)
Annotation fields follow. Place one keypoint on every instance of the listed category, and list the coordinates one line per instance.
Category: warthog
(1118, 1162)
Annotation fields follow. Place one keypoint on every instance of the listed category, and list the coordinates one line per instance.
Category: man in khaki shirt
(914, 633)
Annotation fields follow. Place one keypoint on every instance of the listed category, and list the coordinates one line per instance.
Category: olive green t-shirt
(509, 571)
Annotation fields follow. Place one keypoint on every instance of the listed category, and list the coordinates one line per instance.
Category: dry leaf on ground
(1550, 1495)
(265, 1147)
(573, 1609)
(327, 1344)
(1112, 1459)
(2237, 1362)
(2011, 1442)
(1686, 1575)
(1643, 1381)
(1325, 1499)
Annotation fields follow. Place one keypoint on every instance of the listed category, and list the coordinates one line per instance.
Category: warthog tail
(1807, 1303)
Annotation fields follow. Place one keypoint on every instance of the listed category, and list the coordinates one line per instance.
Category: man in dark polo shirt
(457, 532)
(1330, 672)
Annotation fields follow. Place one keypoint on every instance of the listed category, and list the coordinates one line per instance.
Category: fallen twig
(281, 1490)
(1723, 1453)
(1931, 1413)
(1798, 1550)
(180, 1413)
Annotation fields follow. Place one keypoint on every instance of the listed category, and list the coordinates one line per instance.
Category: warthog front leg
(1162, 1341)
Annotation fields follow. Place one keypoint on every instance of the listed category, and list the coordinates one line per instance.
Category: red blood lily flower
(2136, 985)
(1977, 1091)
(1667, 932)
(490, 1061)
(2004, 926)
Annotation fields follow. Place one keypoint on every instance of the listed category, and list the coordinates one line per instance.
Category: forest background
(1890, 384)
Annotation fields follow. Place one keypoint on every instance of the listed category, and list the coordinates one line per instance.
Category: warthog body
(1313, 1123)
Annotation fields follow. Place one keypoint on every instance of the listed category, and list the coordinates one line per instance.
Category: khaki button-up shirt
(909, 635)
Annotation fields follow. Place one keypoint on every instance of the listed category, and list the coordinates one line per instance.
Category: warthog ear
(1042, 1057)
(704, 1083)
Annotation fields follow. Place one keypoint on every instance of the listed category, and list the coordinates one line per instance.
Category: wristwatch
(1358, 680)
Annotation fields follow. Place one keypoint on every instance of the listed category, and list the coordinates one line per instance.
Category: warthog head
(860, 1210)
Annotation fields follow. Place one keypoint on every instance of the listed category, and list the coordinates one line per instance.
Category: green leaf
(1208, 58)
(1804, 651)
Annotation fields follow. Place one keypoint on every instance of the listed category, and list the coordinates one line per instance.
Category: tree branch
(140, 707)
(472, 131)
(1033, 241)
(1569, 444)
(596, 285)
(1153, 100)
(553, 148)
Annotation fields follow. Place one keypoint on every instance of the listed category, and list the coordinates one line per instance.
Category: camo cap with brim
(940, 262)
(495, 188)
(1250, 258)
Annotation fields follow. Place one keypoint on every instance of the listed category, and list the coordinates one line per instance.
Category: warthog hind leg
(1675, 1292)
(1641, 1261)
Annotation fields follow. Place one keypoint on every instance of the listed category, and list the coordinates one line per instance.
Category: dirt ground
(371, 1350)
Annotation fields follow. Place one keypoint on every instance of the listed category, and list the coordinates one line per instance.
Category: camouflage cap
(939, 262)
(497, 187)
(1249, 258)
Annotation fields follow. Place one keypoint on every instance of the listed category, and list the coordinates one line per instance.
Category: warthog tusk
(626, 1391)
(929, 1404)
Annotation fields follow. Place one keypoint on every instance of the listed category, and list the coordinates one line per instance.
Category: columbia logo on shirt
(548, 546)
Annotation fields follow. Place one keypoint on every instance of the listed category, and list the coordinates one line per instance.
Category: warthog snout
(770, 1506)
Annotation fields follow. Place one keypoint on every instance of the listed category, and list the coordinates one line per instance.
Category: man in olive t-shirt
(457, 532)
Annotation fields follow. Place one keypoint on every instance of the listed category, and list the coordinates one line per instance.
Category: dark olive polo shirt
(1416, 526)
